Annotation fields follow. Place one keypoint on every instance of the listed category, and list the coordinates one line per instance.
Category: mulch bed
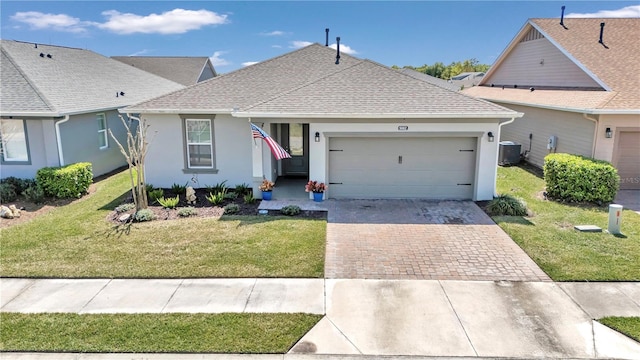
(206, 210)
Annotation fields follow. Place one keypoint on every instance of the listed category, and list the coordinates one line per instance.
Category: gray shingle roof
(71, 81)
(307, 82)
(181, 69)
(430, 79)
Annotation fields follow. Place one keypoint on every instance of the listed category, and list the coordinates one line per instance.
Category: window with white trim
(14, 141)
(103, 139)
(199, 143)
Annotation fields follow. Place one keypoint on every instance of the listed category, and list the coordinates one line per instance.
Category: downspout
(59, 139)
(595, 134)
(495, 191)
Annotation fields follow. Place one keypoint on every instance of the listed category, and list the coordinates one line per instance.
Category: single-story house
(58, 104)
(185, 70)
(577, 82)
(366, 130)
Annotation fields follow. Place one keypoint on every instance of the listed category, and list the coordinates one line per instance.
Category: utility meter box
(508, 153)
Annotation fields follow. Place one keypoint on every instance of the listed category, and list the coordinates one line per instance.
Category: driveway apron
(421, 239)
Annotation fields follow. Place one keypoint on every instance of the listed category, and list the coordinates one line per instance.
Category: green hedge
(71, 181)
(579, 179)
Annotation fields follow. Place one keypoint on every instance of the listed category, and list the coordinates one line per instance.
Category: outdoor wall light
(490, 136)
(317, 138)
(607, 133)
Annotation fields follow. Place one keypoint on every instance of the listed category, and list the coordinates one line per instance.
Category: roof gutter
(595, 134)
(495, 190)
(59, 139)
(378, 115)
(568, 109)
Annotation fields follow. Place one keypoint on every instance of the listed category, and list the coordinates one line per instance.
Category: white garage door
(394, 167)
(628, 163)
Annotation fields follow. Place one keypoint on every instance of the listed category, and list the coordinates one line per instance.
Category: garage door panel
(628, 163)
(438, 168)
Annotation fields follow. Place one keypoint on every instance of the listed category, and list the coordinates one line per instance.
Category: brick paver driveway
(419, 239)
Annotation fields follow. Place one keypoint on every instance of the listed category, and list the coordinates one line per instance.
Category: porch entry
(293, 173)
(295, 139)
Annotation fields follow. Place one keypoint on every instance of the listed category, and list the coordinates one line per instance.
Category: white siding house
(365, 129)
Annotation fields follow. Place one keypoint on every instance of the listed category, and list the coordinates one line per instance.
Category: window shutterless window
(14, 141)
(199, 144)
(103, 140)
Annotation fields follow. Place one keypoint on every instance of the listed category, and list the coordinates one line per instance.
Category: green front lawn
(77, 241)
(154, 333)
(629, 326)
(550, 240)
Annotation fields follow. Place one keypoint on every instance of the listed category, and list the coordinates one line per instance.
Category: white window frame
(102, 133)
(18, 125)
(210, 143)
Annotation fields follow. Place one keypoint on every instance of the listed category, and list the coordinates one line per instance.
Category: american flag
(278, 152)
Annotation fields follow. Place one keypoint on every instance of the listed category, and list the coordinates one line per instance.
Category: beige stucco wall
(574, 133)
(539, 63)
(605, 147)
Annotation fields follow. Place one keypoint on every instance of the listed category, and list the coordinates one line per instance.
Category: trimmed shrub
(144, 215)
(19, 185)
(169, 203)
(231, 209)
(507, 205)
(34, 193)
(71, 181)
(576, 178)
(290, 210)
(7, 193)
(187, 211)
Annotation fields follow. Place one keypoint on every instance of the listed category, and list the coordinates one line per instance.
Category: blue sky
(237, 33)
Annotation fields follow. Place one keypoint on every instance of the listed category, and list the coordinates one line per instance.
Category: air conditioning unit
(508, 153)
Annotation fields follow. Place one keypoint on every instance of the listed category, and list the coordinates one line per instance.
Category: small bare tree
(135, 153)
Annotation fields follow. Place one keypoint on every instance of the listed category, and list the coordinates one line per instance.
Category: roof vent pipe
(338, 50)
(326, 41)
(601, 32)
(562, 16)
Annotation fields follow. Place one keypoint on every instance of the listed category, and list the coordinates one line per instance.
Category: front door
(295, 139)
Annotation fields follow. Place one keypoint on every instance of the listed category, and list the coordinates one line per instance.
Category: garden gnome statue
(191, 195)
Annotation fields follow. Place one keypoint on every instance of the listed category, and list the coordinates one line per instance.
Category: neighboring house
(184, 70)
(365, 129)
(430, 79)
(58, 104)
(466, 80)
(577, 85)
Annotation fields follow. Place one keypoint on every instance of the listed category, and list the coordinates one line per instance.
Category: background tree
(446, 72)
(135, 153)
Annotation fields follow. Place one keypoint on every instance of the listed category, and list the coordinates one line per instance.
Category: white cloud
(632, 11)
(176, 21)
(299, 44)
(249, 63)
(139, 53)
(216, 60)
(276, 46)
(59, 22)
(273, 33)
(344, 48)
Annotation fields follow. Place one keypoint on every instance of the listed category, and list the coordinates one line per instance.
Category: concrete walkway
(368, 317)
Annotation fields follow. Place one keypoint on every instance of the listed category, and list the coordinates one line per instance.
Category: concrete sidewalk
(366, 318)
(94, 296)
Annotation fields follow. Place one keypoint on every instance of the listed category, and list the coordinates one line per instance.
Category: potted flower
(317, 189)
(266, 187)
